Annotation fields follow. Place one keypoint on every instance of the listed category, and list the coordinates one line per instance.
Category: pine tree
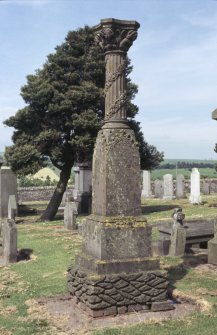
(63, 113)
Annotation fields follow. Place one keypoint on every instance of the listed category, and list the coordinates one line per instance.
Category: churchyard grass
(53, 250)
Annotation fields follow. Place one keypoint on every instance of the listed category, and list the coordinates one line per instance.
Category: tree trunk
(57, 196)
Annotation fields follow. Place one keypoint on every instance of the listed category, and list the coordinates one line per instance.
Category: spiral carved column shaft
(115, 87)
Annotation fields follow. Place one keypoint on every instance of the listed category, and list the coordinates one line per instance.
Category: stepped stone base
(102, 295)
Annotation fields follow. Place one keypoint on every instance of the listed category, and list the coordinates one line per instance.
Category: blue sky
(174, 60)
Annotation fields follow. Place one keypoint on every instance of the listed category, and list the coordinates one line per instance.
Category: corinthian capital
(116, 35)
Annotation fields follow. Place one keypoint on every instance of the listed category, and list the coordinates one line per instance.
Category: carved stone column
(116, 163)
(115, 272)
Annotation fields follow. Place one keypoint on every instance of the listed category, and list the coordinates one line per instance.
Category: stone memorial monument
(115, 272)
(195, 197)
(146, 184)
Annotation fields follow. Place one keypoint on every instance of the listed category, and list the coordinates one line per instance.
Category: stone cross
(146, 185)
(168, 187)
(195, 197)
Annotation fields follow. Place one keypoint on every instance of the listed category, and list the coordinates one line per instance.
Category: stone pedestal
(115, 272)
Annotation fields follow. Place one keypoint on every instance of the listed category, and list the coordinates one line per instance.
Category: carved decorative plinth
(117, 294)
(116, 174)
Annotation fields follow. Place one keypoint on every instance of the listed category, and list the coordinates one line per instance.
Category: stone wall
(37, 193)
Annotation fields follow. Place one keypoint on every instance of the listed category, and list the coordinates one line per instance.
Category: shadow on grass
(157, 208)
(178, 272)
(25, 210)
(24, 254)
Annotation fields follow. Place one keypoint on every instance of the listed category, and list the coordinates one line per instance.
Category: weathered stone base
(102, 295)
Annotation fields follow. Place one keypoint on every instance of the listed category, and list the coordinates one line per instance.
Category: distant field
(204, 173)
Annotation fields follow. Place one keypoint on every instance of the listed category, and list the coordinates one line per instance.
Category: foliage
(64, 108)
(24, 181)
(63, 113)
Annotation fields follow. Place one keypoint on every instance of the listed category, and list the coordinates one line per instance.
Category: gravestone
(70, 215)
(158, 188)
(178, 234)
(12, 207)
(168, 192)
(146, 184)
(115, 272)
(8, 186)
(83, 187)
(9, 244)
(180, 186)
(212, 247)
(195, 197)
(177, 242)
(205, 188)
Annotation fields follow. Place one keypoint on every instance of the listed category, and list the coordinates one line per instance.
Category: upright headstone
(146, 184)
(212, 247)
(205, 188)
(180, 186)
(70, 215)
(178, 234)
(158, 188)
(12, 207)
(8, 186)
(83, 187)
(9, 235)
(168, 187)
(116, 238)
(195, 197)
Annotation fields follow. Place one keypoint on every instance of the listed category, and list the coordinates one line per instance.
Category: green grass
(53, 250)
